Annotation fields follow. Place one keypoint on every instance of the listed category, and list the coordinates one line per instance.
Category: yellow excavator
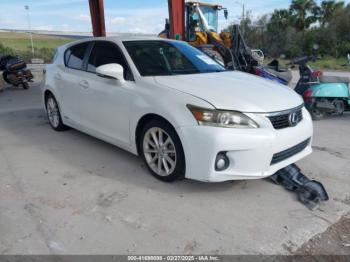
(197, 23)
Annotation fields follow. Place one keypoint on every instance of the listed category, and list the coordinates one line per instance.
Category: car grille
(284, 120)
(281, 156)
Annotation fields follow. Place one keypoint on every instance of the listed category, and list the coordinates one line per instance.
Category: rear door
(70, 80)
(105, 103)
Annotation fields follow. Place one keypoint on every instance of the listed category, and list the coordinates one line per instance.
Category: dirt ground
(334, 241)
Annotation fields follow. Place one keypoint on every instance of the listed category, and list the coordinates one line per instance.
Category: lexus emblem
(293, 119)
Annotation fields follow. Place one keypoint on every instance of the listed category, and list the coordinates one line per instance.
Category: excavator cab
(201, 19)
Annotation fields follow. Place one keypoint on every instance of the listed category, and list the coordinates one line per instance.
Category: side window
(75, 55)
(55, 56)
(107, 53)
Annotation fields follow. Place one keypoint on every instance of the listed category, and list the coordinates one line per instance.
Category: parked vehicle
(15, 71)
(181, 111)
(322, 94)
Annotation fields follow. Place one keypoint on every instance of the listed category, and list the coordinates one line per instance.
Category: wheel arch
(47, 92)
(143, 121)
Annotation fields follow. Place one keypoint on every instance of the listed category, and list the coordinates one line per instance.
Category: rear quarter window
(55, 56)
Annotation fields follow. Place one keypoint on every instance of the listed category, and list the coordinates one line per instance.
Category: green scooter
(322, 94)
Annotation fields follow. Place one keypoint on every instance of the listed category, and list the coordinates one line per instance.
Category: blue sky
(129, 16)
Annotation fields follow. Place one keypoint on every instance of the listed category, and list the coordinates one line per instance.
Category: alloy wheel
(159, 151)
(53, 112)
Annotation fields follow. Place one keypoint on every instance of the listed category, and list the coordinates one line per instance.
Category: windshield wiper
(213, 71)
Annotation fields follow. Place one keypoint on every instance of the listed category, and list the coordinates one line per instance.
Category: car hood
(235, 91)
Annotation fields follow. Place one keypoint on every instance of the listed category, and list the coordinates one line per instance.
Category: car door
(69, 80)
(105, 102)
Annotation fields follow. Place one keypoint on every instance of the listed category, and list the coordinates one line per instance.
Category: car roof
(116, 39)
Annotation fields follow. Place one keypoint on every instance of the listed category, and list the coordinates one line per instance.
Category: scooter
(15, 71)
(322, 94)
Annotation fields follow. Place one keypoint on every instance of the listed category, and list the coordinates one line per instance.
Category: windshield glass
(159, 58)
(211, 15)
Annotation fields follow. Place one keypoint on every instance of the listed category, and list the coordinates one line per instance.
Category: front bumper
(250, 151)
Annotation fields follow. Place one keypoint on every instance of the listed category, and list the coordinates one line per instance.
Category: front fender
(169, 104)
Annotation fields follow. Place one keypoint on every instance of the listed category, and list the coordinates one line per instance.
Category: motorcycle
(15, 71)
(322, 94)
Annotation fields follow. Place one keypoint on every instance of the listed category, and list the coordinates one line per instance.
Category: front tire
(4, 76)
(25, 85)
(316, 114)
(54, 114)
(162, 151)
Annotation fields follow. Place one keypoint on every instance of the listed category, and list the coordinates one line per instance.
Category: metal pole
(243, 22)
(97, 17)
(29, 28)
(177, 19)
(243, 14)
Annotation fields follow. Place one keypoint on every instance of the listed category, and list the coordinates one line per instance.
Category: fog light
(222, 162)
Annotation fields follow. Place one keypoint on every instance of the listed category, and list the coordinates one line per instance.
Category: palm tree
(328, 11)
(280, 18)
(303, 13)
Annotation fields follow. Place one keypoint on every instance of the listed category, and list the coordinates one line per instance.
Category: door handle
(58, 76)
(84, 84)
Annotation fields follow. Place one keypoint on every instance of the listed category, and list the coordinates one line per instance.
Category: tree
(303, 13)
(328, 11)
(281, 18)
(289, 31)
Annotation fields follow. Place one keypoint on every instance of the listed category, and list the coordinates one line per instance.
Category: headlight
(220, 118)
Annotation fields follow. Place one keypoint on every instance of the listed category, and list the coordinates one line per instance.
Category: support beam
(97, 17)
(177, 19)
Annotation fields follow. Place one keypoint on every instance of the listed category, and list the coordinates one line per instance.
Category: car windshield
(161, 58)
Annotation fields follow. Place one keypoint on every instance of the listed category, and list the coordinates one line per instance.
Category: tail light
(308, 93)
(317, 73)
(308, 96)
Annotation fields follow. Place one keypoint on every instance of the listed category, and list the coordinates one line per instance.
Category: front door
(105, 103)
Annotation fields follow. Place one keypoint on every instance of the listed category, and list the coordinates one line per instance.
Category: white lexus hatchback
(182, 112)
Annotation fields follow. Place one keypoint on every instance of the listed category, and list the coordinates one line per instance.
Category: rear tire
(339, 107)
(162, 152)
(54, 114)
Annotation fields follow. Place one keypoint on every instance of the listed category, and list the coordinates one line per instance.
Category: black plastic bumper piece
(310, 192)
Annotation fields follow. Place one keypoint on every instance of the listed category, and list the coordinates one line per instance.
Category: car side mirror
(114, 71)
